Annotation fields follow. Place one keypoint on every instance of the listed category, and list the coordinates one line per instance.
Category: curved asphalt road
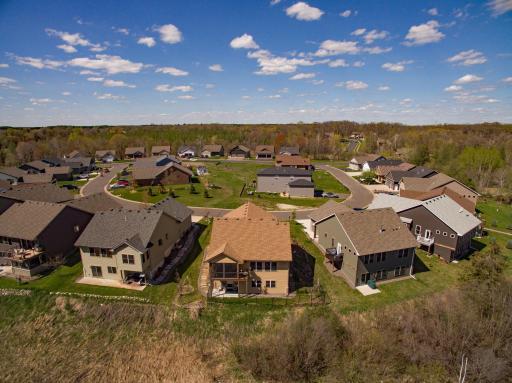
(360, 197)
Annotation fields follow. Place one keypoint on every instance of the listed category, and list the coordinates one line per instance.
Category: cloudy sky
(140, 62)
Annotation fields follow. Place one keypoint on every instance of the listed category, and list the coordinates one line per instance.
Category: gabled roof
(78, 161)
(376, 231)
(58, 170)
(150, 172)
(73, 154)
(95, 203)
(212, 148)
(374, 164)
(38, 164)
(27, 220)
(134, 150)
(38, 192)
(39, 178)
(293, 150)
(362, 158)
(186, 148)
(250, 234)
(417, 172)
(173, 208)
(103, 153)
(398, 204)
(13, 171)
(301, 183)
(466, 203)
(327, 209)
(249, 211)
(161, 148)
(284, 160)
(452, 214)
(241, 147)
(284, 171)
(113, 228)
(264, 149)
(383, 170)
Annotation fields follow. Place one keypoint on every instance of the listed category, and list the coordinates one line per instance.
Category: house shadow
(419, 266)
(302, 269)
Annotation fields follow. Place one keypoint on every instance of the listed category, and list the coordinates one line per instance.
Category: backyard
(224, 184)
(495, 215)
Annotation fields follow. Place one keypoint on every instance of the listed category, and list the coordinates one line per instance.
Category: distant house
(212, 151)
(435, 182)
(289, 161)
(394, 177)
(12, 174)
(40, 234)
(36, 166)
(38, 178)
(288, 181)
(95, 203)
(239, 151)
(60, 173)
(371, 166)
(439, 224)
(264, 152)
(138, 241)
(160, 171)
(36, 192)
(162, 150)
(73, 154)
(105, 156)
(381, 171)
(186, 151)
(356, 136)
(367, 245)
(238, 260)
(357, 162)
(135, 152)
(289, 151)
(80, 165)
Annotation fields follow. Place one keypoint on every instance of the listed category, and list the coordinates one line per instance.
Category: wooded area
(479, 155)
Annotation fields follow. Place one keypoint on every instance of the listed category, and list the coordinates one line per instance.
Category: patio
(110, 283)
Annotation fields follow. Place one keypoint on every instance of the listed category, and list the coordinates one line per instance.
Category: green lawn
(225, 185)
(496, 215)
(326, 182)
(63, 279)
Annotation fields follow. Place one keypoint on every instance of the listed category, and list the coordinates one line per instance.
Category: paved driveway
(360, 196)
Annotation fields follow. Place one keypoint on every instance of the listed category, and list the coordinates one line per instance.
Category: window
(128, 259)
(371, 258)
(417, 230)
(445, 233)
(383, 258)
(438, 231)
(96, 271)
(267, 266)
(106, 253)
(96, 252)
(160, 242)
(256, 283)
(452, 235)
(402, 253)
(397, 271)
(378, 257)
(273, 266)
(365, 259)
(365, 277)
(270, 284)
(111, 270)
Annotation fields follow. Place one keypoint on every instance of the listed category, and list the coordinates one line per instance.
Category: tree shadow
(302, 269)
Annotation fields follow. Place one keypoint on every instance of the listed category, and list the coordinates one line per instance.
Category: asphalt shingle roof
(301, 183)
(280, 171)
(329, 208)
(95, 203)
(173, 208)
(13, 171)
(38, 192)
(293, 150)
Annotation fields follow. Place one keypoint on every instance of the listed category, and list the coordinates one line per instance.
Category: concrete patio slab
(109, 283)
(367, 290)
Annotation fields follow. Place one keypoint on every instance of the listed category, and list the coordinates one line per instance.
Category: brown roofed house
(264, 152)
(95, 203)
(293, 161)
(289, 151)
(37, 192)
(357, 162)
(105, 156)
(41, 234)
(160, 171)
(381, 171)
(239, 151)
(367, 245)
(161, 150)
(12, 174)
(60, 173)
(37, 178)
(249, 253)
(36, 166)
(135, 152)
(212, 151)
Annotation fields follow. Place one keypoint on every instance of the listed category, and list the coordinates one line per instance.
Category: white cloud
(358, 64)
(303, 11)
(4, 66)
(500, 7)
(186, 97)
(74, 39)
(110, 64)
(335, 47)
(433, 12)
(424, 34)
(6, 81)
(274, 2)
(67, 48)
(374, 34)
(95, 79)
(275, 96)
(38, 63)
(124, 31)
(383, 88)
(338, 63)
(396, 67)
(209, 86)
(317, 82)
(88, 72)
(170, 34)
(169, 88)
(468, 78)
(246, 97)
(358, 32)
(40, 101)
(66, 93)
(346, 13)
(352, 85)
(108, 96)
(302, 76)
(271, 65)
(245, 41)
(453, 88)
(147, 41)
(507, 80)
(467, 58)
(172, 71)
(117, 84)
(216, 68)
(377, 50)
(406, 101)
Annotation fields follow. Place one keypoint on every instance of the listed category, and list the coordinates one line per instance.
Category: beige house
(130, 245)
(249, 253)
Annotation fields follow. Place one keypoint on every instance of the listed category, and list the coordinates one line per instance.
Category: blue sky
(141, 62)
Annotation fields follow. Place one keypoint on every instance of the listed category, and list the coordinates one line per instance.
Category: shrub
(150, 192)
(172, 193)
(206, 194)
(509, 244)
(193, 189)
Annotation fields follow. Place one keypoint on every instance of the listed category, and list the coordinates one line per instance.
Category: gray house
(367, 245)
(289, 181)
(12, 174)
(439, 224)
